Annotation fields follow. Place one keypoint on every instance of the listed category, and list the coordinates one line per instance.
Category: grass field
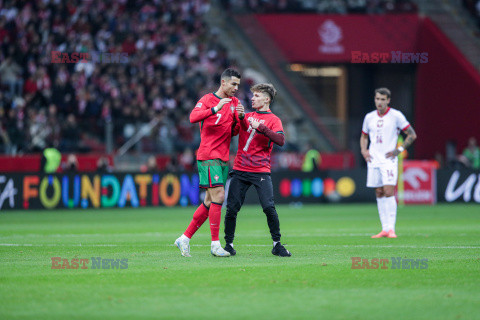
(317, 282)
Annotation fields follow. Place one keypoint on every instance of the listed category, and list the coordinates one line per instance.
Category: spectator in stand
(187, 160)
(312, 159)
(10, 73)
(172, 165)
(471, 154)
(70, 134)
(30, 86)
(152, 165)
(4, 138)
(50, 161)
(71, 165)
(103, 165)
(53, 123)
(15, 127)
(439, 160)
(39, 130)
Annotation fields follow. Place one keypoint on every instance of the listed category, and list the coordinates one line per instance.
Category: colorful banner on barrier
(420, 185)
(39, 191)
(322, 186)
(35, 191)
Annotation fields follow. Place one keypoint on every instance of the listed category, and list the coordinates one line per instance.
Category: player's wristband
(400, 149)
(214, 110)
(241, 117)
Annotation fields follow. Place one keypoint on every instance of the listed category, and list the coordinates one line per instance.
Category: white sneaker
(184, 247)
(218, 251)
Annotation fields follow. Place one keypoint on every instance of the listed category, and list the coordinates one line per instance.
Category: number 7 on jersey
(219, 115)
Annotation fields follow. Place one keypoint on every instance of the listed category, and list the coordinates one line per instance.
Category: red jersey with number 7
(254, 148)
(216, 129)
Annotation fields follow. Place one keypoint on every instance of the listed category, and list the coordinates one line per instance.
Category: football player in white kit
(383, 126)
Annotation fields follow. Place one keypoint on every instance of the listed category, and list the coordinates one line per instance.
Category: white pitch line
(350, 246)
(244, 245)
(74, 235)
(55, 245)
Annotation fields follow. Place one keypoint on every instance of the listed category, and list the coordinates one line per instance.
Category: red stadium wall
(447, 95)
(31, 163)
(88, 162)
(314, 38)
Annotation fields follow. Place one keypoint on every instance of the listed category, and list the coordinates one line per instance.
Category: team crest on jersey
(198, 105)
(255, 119)
(216, 178)
(380, 123)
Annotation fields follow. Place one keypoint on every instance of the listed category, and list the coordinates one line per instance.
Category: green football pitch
(317, 282)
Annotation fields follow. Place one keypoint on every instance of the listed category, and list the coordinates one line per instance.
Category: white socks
(275, 243)
(391, 211)
(216, 243)
(387, 210)
(382, 212)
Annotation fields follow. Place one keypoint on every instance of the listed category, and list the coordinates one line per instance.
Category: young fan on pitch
(217, 114)
(258, 131)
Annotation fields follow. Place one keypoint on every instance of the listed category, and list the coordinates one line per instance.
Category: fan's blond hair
(267, 88)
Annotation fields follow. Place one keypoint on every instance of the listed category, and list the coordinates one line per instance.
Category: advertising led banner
(87, 190)
(419, 178)
(39, 191)
(458, 186)
(322, 186)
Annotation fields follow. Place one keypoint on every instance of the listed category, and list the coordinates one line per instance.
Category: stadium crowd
(172, 60)
(325, 6)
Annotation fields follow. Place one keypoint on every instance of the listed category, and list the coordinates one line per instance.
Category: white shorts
(386, 175)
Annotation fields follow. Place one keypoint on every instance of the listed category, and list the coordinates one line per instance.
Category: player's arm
(276, 137)
(364, 147)
(411, 136)
(235, 128)
(201, 112)
(240, 117)
(244, 124)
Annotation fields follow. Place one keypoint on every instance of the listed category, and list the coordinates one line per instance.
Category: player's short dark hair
(229, 73)
(383, 91)
(267, 88)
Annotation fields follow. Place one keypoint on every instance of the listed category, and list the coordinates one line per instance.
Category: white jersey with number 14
(383, 131)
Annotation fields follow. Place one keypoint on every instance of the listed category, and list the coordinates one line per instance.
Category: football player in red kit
(217, 115)
(259, 130)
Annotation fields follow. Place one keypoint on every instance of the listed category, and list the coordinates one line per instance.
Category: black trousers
(239, 184)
